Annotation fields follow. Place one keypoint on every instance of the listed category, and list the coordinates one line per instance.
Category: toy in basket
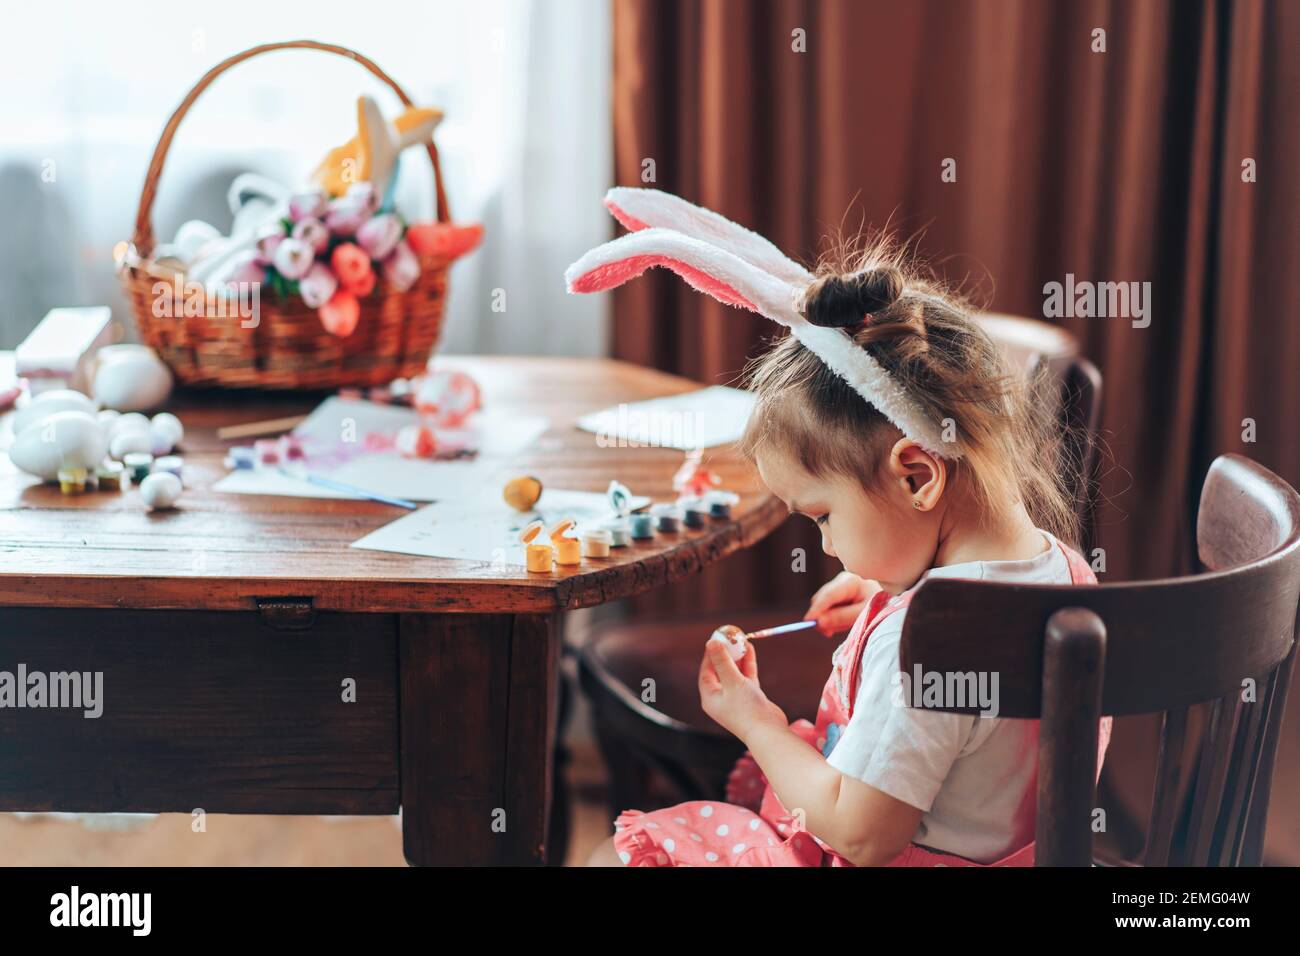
(319, 287)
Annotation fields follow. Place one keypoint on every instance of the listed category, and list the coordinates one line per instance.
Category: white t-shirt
(975, 777)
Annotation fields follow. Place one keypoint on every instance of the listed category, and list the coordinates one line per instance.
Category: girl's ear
(639, 209)
(705, 267)
(919, 476)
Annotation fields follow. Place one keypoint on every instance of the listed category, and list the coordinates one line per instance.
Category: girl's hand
(731, 695)
(839, 601)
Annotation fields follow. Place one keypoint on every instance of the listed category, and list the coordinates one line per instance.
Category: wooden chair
(670, 734)
(1069, 654)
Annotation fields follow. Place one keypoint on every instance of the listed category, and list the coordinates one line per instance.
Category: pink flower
(378, 235)
(340, 314)
(247, 269)
(345, 217)
(313, 232)
(293, 258)
(308, 205)
(364, 286)
(401, 268)
(350, 264)
(318, 286)
(268, 237)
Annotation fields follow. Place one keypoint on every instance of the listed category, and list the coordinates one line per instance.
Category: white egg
(131, 420)
(131, 378)
(64, 439)
(160, 490)
(47, 403)
(107, 419)
(166, 431)
(130, 440)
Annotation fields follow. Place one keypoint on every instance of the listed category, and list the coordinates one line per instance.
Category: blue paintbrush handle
(351, 489)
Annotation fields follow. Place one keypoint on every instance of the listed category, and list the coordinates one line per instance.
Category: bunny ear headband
(741, 268)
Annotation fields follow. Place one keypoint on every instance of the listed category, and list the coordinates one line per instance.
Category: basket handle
(144, 237)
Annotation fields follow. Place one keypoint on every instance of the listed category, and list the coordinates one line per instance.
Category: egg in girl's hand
(733, 638)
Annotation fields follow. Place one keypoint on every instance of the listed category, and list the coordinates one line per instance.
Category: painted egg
(47, 403)
(733, 638)
(63, 440)
(416, 441)
(522, 493)
(160, 490)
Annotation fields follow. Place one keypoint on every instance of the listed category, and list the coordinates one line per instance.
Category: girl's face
(883, 536)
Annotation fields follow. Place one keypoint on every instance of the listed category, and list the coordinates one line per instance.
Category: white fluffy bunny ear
(705, 267)
(639, 209)
(740, 281)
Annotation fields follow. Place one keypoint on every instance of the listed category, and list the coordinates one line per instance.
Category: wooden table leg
(477, 722)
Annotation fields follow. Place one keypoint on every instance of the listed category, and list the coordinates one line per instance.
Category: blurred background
(1162, 150)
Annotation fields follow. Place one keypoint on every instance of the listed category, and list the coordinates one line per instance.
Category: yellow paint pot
(537, 557)
(567, 550)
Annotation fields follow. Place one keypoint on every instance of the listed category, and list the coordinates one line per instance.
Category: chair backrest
(1225, 638)
(1036, 347)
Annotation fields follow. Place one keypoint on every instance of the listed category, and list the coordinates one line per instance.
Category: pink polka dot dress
(751, 827)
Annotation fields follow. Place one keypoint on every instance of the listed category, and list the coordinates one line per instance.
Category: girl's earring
(916, 503)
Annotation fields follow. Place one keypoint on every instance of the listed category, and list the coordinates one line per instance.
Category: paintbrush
(782, 629)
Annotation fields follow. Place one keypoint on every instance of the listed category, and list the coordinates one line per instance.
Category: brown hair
(924, 336)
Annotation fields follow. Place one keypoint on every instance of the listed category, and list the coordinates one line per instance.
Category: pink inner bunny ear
(639, 209)
(614, 274)
(628, 222)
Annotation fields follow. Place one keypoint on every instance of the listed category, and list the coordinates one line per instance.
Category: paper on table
(334, 435)
(484, 528)
(699, 419)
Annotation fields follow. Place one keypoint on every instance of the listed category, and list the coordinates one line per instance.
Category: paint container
(666, 517)
(267, 451)
(138, 465)
(538, 557)
(241, 458)
(620, 498)
(720, 503)
(291, 448)
(596, 544)
(641, 526)
(72, 481)
(568, 551)
(109, 475)
(694, 512)
(620, 533)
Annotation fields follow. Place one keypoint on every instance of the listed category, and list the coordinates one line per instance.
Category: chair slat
(1211, 774)
(1252, 845)
(1169, 769)
(1246, 751)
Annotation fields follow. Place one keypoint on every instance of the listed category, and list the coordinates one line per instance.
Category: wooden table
(229, 631)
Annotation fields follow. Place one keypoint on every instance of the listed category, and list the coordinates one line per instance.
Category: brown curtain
(1123, 165)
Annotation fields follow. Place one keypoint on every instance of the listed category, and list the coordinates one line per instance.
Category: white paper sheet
(700, 419)
(334, 435)
(484, 528)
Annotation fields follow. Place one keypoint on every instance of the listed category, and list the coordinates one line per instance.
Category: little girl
(889, 419)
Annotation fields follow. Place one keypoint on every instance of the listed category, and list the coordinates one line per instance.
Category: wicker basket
(288, 348)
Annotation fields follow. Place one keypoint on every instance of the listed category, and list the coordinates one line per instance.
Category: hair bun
(846, 301)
